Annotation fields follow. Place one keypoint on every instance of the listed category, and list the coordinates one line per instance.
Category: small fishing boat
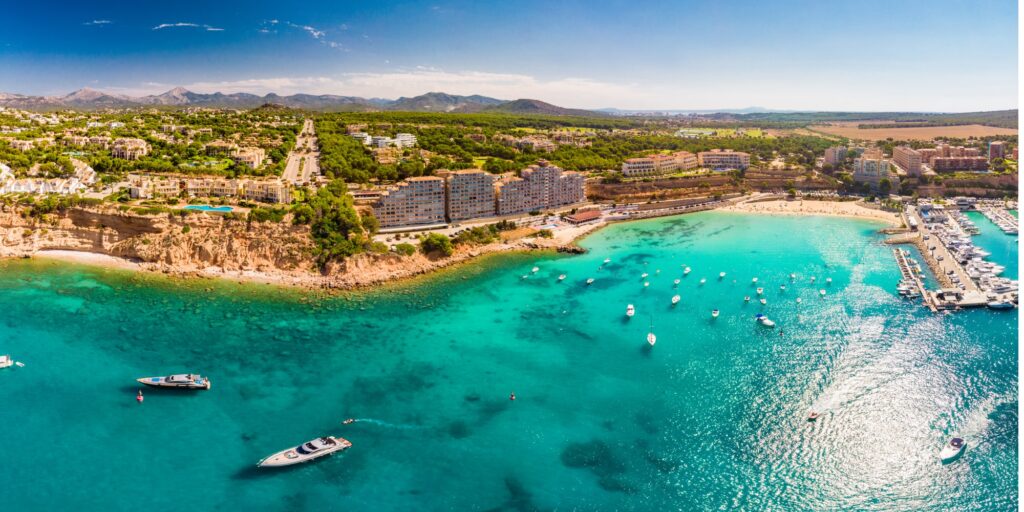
(306, 452)
(782, 288)
(561, 277)
(760, 291)
(534, 269)
(764, 320)
(607, 261)
(813, 415)
(764, 301)
(822, 292)
(182, 381)
(686, 271)
(676, 282)
(644, 275)
(721, 275)
(646, 284)
(702, 280)
(746, 298)
(799, 300)
(675, 299)
(828, 280)
(812, 279)
(5, 361)
(792, 276)
(590, 280)
(754, 280)
(630, 311)
(714, 313)
(953, 449)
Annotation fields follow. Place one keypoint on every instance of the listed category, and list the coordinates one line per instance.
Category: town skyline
(791, 56)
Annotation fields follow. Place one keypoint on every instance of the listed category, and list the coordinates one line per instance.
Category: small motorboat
(714, 313)
(651, 338)
(646, 284)
(182, 381)
(764, 320)
(764, 301)
(630, 311)
(754, 280)
(782, 288)
(822, 292)
(6, 361)
(676, 282)
(996, 304)
(760, 291)
(721, 275)
(534, 269)
(792, 276)
(686, 271)
(799, 300)
(306, 452)
(590, 280)
(702, 280)
(746, 298)
(525, 276)
(675, 299)
(828, 280)
(813, 415)
(349, 421)
(644, 275)
(607, 261)
(561, 277)
(812, 279)
(953, 449)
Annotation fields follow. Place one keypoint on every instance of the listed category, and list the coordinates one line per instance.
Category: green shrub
(405, 249)
(436, 242)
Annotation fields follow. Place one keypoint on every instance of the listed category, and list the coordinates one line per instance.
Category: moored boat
(534, 269)
(822, 292)
(686, 271)
(1000, 304)
(607, 261)
(721, 275)
(644, 275)
(764, 301)
(760, 291)
(5, 361)
(630, 311)
(676, 282)
(702, 280)
(714, 313)
(561, 277)
(675, 299)
(746, 298)
(813, 415)
(754, 280)
(306, 452)
(764, 320)
(590, 280)
(180, 381)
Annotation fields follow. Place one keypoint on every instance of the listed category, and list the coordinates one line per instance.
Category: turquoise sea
(712, 417)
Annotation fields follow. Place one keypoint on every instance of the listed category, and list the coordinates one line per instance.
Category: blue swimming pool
(208, 208)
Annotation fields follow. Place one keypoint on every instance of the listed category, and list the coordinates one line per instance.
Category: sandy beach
(851, 209)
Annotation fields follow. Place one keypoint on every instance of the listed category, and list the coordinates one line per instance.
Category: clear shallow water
(208, 208)
(1002, 246)
(712, 417)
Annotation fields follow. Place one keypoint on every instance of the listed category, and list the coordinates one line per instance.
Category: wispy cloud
(98, 22)
(320, 35)
(313, 31)
(181, 24)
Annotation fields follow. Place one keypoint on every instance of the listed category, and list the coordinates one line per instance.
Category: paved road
(303, 161)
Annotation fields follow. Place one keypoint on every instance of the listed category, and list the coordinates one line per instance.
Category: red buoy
(139, 398)
(512, 396)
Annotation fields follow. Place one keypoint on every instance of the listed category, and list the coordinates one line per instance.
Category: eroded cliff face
(163, 240)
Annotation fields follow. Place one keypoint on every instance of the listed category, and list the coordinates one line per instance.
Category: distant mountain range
(179, 97)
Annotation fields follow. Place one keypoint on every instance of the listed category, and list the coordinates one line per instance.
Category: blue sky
(940, 55)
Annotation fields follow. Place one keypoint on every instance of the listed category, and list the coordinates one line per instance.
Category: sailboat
(676, 282)
(590, 280)
(675, 299)
(651, 338)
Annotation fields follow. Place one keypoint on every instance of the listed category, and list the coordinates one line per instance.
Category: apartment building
(871, 171)
(958, 163)
(211, 187)
(266, 191)
(470, 194)
(415, 201)
(220, 148)
(148, 187)
(835, 155)
(100, 140)
(129, 149)
(723, 159)
(22, 145)
(996, 149)
(908, 159)
(251, 157)
(539, 187)
(362, 137)
(659, 164)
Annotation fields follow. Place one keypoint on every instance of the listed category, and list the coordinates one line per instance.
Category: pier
(1000, 217)
(909, 275)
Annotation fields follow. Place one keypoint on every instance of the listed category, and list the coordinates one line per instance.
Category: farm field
(850, 130)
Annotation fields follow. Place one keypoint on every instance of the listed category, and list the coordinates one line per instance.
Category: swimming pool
(208, 208)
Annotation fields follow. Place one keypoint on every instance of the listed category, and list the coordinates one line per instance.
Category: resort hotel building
(659, 164)
(871, 170)
(908, 159)
(454, 196)
(723, 159)
(835, 155)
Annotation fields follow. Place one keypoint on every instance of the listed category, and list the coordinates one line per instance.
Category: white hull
(164, 382)
(292, 456)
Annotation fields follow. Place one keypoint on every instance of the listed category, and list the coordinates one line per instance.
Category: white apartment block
(266, 191)
(723, 159)
(251, 157)
(362, 137)
(659, 164)
(470, 194)
(870, 171)
(415, 201)
(129, 149)
(908, 159)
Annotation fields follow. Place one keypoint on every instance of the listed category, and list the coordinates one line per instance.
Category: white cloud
(208, 28)
(568, 92)
(317, 34)
(98, 22)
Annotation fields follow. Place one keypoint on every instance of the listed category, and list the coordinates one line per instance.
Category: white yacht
(792, 276)
(306, 452)
(953, 449)
(764, 320)
(828, 280)
(754, 280)
(561, 277)
(714, 313)
(630, 311)
(686, 271)
(646, 284)
(760, 291)
(782, 288)
(182, 380)
(702, 280)
(590, 280)
(5, 361)
(535, 269)
(676, 282)
(721, 275)
(644, 275)
(746, 298)
(675, 299)
(764, 301)
(1000, 304)
(607, 261)
(822, 292)
(651, 338)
